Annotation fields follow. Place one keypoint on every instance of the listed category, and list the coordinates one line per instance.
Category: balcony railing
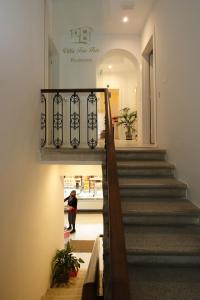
(69, 118)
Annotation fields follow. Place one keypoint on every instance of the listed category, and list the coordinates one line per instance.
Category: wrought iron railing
(69, 117)
(43, 120)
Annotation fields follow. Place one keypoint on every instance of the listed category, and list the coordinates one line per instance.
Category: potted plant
(64, 265)
(127, 119)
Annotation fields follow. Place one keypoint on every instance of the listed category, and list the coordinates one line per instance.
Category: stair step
(140, 154)
(148, 187)
(144, 164)
(73, 284)
(76, 291)
(160, 212)
(72, 290)
(55, 297)
(144, 168)
(141, 200)
(164, 282)
(160, 207)
(145, 172)
(151, 183)
(163, 244)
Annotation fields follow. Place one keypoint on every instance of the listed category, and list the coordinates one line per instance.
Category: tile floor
(88, 226)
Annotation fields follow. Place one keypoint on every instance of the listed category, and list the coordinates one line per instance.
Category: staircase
(161, 228)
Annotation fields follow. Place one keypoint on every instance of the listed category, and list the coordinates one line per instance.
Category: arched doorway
(119, 71)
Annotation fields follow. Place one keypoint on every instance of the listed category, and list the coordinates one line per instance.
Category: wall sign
(81, 35)
(81, 50)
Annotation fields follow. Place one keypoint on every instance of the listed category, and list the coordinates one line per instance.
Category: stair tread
(164, 282)
(71, 290)
(64, 291)
(144, 164)
(141, 149)
(181, 240)
(57, 297)
(152, 199)
(160, 208)
(150, 183)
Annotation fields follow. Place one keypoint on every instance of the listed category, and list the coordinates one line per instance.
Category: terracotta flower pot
(72, 273)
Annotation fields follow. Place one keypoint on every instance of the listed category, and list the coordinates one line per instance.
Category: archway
(118, 70)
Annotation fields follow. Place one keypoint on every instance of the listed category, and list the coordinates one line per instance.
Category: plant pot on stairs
(127, 119)
(64, 265)
(129, 134)
(73, 273)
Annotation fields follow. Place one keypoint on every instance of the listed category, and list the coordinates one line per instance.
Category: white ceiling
(105, 16)
(136, 10)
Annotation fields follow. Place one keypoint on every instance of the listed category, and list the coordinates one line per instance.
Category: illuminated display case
(87, 187)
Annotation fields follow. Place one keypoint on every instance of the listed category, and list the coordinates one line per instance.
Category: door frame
(149, 107)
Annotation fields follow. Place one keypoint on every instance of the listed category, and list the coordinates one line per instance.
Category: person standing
(72, 210)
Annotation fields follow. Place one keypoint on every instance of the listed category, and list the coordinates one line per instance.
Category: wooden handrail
(119, 279)
(100, 90)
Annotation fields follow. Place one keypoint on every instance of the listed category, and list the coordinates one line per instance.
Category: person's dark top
(72, 201)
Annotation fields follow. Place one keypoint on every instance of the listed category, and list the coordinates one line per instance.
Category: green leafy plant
(64, 263)
(127, 119)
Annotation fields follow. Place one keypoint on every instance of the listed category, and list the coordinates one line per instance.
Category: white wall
(127, 83)
(78, 70)
(31, 202)
(177, 24)
(68, 15)
(83, 74)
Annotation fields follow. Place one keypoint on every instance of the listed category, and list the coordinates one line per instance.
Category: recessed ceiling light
(110, 67)
(125, 19)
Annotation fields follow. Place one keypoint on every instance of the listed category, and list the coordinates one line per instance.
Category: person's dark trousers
(72, 219)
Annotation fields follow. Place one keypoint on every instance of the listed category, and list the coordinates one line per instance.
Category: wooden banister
(54, 91)
(119, 279)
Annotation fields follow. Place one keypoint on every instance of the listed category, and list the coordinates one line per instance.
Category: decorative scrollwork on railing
(75, 120)
(92, 128)
(43, 121)
(57, 120)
